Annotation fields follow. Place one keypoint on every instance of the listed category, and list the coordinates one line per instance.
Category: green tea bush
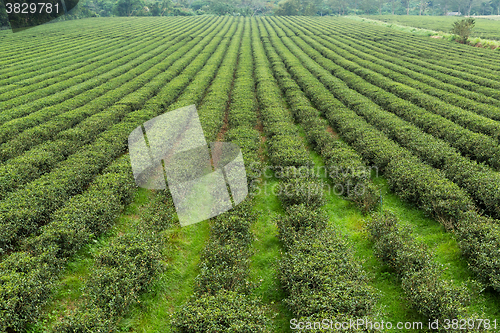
(302, 191)
(226, 311)
(421, 276)
(321, 274)
(91, 320)
(478, 240)
(299, 220)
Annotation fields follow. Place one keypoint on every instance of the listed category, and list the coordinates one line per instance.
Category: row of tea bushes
(421, 277)
(106, 291)
(342, 163)
(478, 146)
(222, 300)
(412, 180)
(72, 175)
(42, 158)
(399, 70)
(39, 127)
(478, 180)
(122, 270)
(395, 49)
(29, 276)
(318, 270)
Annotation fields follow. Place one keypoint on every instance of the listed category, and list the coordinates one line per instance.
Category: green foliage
(302, 191)
(299, 220)
(421, 276)
(226, 311)
(478, 239)
(288, 8)
(463, 29)
(321, 274)
(127, 7)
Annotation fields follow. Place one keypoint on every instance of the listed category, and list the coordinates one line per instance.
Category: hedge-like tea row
(318, 270)
(475, 102)
(77, 95)
(409, 177)
(477, 180)
(86, 78)
(343, 165)
(42, 77)
(123, 270)
(144, 69)
(421, 277)
(23, 210)
(86, 92)
(409, 90)
(18, 52)
(31, 79)
(478, 146)
(479, 61)
(72, 238)
(285, 148)
(107, 293)
(43, 73)
(216, 101)
(42, 159)
(221, 302)
(422, 184)
(34, 92)
(242, 116)
(373, 41)
(222, 286)
(29, 276)
(478, 240)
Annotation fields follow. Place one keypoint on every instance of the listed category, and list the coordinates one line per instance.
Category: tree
(406, 4)
(380, 4)
(423, 6)
(495, 4)
(128, 7)
(4, 19)
(463, 29)
(444, 6)
(288, 7)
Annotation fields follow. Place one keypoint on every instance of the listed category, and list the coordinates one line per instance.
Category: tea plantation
(372, 161)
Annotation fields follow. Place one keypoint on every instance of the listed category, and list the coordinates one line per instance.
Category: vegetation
(483, 27)
(463, 29)
(335, 115)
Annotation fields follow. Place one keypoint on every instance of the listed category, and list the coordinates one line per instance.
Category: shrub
(321, 274)
(421, 276)
(463, 29)
(226, 311)
(301, 191)
(299, 220)
(478, 240)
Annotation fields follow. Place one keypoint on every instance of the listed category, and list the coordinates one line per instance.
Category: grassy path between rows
(69, 289)
(392, 304)
(175, 286)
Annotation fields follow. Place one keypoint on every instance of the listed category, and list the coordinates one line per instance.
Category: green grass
(267, 251)
(175, 286)
(69, 289)
(484, 28)
(344, 214)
